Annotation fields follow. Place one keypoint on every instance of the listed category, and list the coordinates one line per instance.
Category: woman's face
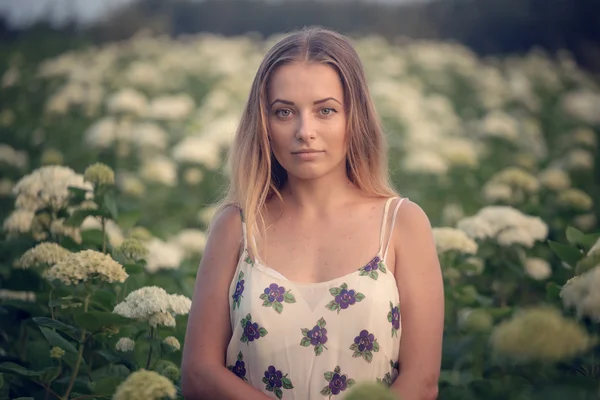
(307, 120)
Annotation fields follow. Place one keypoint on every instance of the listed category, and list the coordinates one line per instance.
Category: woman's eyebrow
(291, 103)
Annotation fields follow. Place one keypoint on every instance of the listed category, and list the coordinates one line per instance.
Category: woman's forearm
(217, 382)
(415, 389)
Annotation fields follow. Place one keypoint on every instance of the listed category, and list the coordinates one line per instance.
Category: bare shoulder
(226, 226)
(411, 220)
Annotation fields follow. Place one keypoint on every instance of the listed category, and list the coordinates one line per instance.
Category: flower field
(111, 156)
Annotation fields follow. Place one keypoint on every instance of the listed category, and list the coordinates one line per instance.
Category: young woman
(316, 275)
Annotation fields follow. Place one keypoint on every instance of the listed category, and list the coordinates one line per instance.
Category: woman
(314, 269)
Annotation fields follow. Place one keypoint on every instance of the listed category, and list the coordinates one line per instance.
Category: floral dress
(306, 341)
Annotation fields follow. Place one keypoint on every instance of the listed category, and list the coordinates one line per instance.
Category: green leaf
(328, 376)
(110, 356)
(356, 354)
(335, 291)
(128, 219)
(244, 339)
(95, 321)
(1, 381)
(326, 391)
(92, 237)
(12, 368)
(382, 267)
(589, 240)
(374, 275)
(575, 236)
(104, 299)
(263, 296)
(304, 332)
(375, 346)
(56, 340)
(266, 303)
(318, 349)
(287, 383)
(263, 332)
(305, 342)
(132, 269)
(278, 393)
(566, 253)
(321, 323)
(69, 330)
(344, 286)
(50, 374)
(354, 346)
(265, 380)
(553, 291)
(332, 305)
(240, 356)
(363, 272)
(368, 356)
(389, 316)
(277, 306)
(350, 383)
(289, 298)
(336, 370)
(111, 205)
(359, 297)
(106, 386)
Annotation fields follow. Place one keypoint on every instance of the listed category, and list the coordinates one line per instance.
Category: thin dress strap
(384, 224)
(392, 227)
(244, 229)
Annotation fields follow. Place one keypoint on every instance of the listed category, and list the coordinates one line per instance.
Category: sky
(24, 12)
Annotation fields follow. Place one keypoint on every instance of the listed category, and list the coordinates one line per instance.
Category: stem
(151, 346)
(49, 301)
(79, 354)
(103, 235)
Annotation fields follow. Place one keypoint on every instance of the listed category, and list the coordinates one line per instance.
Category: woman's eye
(327, 111)
(283, 112)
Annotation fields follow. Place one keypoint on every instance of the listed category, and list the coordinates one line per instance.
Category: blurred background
(492, 113)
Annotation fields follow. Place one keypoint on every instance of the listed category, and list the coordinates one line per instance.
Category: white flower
(198, 150)
(575, 199)
(6, 294)
(113, 231)
(583, 105)
(127, 101)
(191, 241)
(581, 293)
(494, 192)
(48, 186)
(19, 221)
(149, 135)
(538, 268)
(173, 342)
(131, 184)
(424, 161)
(499, 124)
(161, 170)
(145, 385)
(507, 224)
(84, 265)
(46, 253)
(171, 108)
(448, 239)
(555, 179)
(163, 255)
(13, 157)
(585, 137)
(153, 304)
(579, 159)
(125, 344)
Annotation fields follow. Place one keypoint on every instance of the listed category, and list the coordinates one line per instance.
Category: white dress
(314, 341)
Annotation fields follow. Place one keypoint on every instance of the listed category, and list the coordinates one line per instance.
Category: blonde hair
(256, 176)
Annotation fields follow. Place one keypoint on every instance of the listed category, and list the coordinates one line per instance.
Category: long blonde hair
(256, 176)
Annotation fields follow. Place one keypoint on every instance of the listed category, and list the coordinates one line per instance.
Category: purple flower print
(275, 380)
(365, 345)
(251, 330)
(317, 337)
(343, 298)
(390, 377)
(372, 268)
(275, 295)
(338, 382)
(239, 289)
(239, 369)
(364, 341)
(394, 318)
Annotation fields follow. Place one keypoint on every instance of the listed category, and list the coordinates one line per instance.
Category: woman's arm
(421, 289)
(203, 371)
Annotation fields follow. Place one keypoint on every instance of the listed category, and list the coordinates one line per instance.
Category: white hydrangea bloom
(153, 304)
(494, 192)
(173, 342)
(160, 170)
(127, 101)
(125, 344)
(555, 179)
(172, 108)
(46, 253)
(448, 239)
(13, 157)
(163, 255)
(48, 186)
(19, 221)
(84, 265)
(575, 199)
(577, 159)
(113, 231)
(198, 150)
(191, 241)
(499, 124)
(583, 105)
(581, 293)
(6, 294)
(538, 268)
(507, 224)
(425, 161)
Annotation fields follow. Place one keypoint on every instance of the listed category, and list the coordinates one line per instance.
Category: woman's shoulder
(411, 217)
(226, 224)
